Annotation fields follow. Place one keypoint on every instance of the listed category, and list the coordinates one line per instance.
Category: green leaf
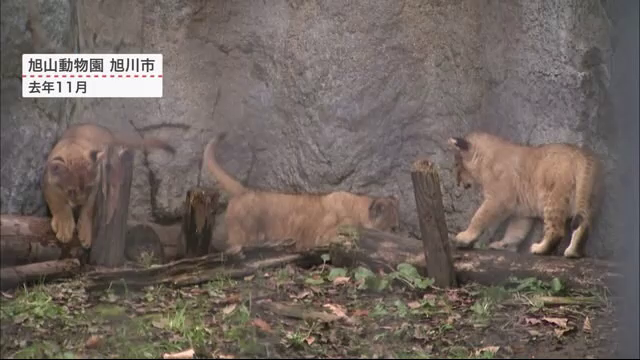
(408, 271)
(556, 285)
(423, 283)
(336, 272)
(362, 273)
(312, 281)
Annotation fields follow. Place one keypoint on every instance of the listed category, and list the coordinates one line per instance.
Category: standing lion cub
(70, 175)
(309, 220)
(553, 182)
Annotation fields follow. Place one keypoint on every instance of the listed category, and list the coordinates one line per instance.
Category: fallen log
(433, 226)
(29, 239)
(11, 277)
(193, 271)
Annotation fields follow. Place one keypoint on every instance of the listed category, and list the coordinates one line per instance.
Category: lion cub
(553, 182)
(255, 216)
(70, 175)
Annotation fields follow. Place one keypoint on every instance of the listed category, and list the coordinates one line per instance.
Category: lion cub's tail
(226, 181)
(585, 187)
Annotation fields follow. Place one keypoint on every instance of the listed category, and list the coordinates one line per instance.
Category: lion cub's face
(384, 214)
(73, 184)
(462, 158)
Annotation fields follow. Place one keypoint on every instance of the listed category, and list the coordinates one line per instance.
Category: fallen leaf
(361, 312)
(414, 305)
(490, 349)
(302, 295)
(229, 309)
(249, 278)
(336, 309)
(586, 327)
(159, 324)
(562, 322)
(187, 354)
(93, 342)
(262, 325)
(19, 319)
(534, 332)
(310, 340)
(560, 332)
(532, 321)
(341, 280)
(7, 295)
(452, 318)
(223, 356)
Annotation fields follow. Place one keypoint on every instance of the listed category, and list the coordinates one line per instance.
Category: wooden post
(111, 207)
(433, 226)
(199, 219)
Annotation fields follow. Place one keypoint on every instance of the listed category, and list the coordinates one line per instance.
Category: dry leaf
(187, 354)
(229, 309)
(262, 325)
(302, 295)
(223, 356)
(310, 340)
(336, 309)
(534, 333)
(361, 312)
(249, 278)
(414, 305)
(7, 295)
(560, 332)
(341, 280)
(93, 342)
(562, 322)
(586, 327)
(532, 321)
(490, 349)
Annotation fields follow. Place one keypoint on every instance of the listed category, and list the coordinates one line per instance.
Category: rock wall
(319, 95)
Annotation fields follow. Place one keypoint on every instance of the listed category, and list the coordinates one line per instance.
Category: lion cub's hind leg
(554, 216)
(516, 231)
(489, 212)
(579, 228)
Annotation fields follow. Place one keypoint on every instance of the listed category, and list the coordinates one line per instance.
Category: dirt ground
(312, 313)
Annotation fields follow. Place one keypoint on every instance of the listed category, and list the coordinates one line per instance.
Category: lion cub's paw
(538, 248)
(84, 234)
(464, 239)
(571, 253)
(63, 229)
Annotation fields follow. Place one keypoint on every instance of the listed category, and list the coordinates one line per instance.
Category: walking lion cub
(255, 216)
(552, 181)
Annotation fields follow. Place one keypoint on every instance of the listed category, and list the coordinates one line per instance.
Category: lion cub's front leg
(62, 222)
(85, 221)
(487, 213)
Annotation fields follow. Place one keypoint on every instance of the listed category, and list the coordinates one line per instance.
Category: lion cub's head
(74, 179)
(462, 161)
(384, 214)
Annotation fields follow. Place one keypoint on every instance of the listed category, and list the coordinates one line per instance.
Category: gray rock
(320, 96)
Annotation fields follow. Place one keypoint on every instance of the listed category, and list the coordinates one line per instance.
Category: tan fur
(253, 216)
(552, 181)
(70, 174)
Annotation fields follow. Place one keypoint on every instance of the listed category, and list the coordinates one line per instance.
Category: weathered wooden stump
(199, 220)
(433, 226)
(111, 207)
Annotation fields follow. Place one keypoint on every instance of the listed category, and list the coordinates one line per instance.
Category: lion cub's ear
(459, 143)
(379, 206)
(57, 169)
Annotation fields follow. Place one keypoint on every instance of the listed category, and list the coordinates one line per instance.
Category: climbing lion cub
(70, 175)
(255, 216)
(553, 182)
